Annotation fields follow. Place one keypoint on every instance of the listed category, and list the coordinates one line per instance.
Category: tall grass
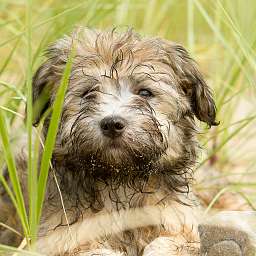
(219, 35)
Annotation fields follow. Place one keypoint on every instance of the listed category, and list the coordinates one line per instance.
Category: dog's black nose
(112, 126)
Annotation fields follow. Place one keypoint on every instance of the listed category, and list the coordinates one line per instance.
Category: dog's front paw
(228, 234)
(100, 252)
(169, 246)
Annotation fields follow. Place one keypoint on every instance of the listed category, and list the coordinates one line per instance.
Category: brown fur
(122, 195)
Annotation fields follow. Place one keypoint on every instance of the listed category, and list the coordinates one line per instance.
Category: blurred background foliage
(219, 34)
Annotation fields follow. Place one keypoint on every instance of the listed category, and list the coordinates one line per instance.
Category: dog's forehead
(124, 51)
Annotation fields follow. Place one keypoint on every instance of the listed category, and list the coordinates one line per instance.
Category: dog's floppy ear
(42, 80)
(47, 75)
(192, 83)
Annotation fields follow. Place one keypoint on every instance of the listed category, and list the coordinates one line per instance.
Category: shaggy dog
(125, 147)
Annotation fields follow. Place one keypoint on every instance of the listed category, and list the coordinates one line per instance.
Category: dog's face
(129, 100)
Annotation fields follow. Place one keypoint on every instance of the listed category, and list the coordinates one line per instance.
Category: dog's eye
(145, 93)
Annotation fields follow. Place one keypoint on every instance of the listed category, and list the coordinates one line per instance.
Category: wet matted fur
(124, 193)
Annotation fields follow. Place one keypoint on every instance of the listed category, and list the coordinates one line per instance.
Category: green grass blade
(216, 198)
(227, 139)
(9, 191)
(221, 37)
(11, 111)
(32, 173)
(41, 45)
(51, 135)
(219, 131)
(8, 250)
(8, 59)
(13, 172)
(2, 24)
(10, 228)
(243, 44)
(14, 89)
(57, 16)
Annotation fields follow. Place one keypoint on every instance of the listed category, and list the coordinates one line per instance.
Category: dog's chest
(122, 220)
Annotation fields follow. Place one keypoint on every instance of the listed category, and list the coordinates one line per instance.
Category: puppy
(125, 147)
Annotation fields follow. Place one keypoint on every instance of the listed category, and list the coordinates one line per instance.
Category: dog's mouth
(116, 152)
